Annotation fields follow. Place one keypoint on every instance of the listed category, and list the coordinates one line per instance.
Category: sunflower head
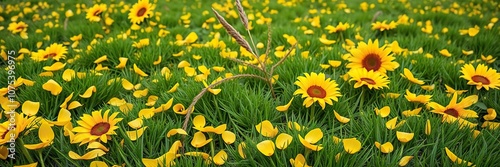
(317, 88)
(482, 76)
(94, 13)
(371, 57)
(371, 78)
(96, 127)
(140, 11)
(456, 109)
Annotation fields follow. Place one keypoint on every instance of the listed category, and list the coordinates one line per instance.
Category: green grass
(244, 103)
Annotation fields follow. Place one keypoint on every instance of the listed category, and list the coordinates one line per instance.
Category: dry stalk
(283, 58)
(375, 16)
(204, 90)
(243, 15)
(269, 40)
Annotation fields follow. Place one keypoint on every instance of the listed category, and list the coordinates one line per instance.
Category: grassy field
(253, 83)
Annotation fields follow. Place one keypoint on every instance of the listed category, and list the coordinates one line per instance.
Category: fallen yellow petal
(134, 135)
(30, 108)
(405, 160)
(88, 92)
(54, 67)
(341, 118)
(53, 87)
(137, 70)
(266, 147)
(351, 145)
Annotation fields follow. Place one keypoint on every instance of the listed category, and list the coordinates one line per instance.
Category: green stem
(313, 111)
(212, 147)
(25, 151)
(41, 158)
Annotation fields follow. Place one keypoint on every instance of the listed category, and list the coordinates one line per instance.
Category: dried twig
(243, 15)
(235, 34)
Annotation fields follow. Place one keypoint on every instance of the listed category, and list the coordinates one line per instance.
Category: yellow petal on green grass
(55, 67)
(404, 137)
(146, 113)
(228, 137)
(467, 52)
(473, 31)
(199, 140)
(334, 63)
(68, 75)
(198, 154)
(428, 87)
(341, 118)
(351, 145)
(310, 146)
(174, 88)
(265, 128)
(490, 125)
(220, 158)
(97, 145)
(151, 100)
(45, 134)
(46, 74)
(123, 62)
(475, 133)
(405, 160)
(98, 164)
(183, 64)
(74, 104)
(294, 125)
(336, 139)
(428, 127)
(385, 148)
(199, 121)
(445, 53)
(176, 131)
(299, 161)
(63, 117)
(391, 124)
(125, 108)
(454, 157)
(134, 135)
(241, 147)
(284, 107)
(136, 123)
(167, 158)
(53, 87)
(180, 109)
(30, 108)
(116, 101)
(190, 71)
(87, 156)
(492, 114)
(88, 92)
(414, 112)
(165, 106)
(137, 70)
(266, 147)
(127, 85)
(66, 100)
(140, 93)
(283, 140)
(158, 61)
(383, 112)
(101, 59)
(27, 165)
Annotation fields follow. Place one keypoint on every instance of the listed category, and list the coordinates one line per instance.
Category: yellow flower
(266, 147)
(199, 124)
(265, 128)
(18, 27)
(96, 127)
(454, 109)
(315, 88)
(454, 157)
(299, 161)
(351, 145)
(411, 97)
(283, 140)
(53, 87)
(54, 51)
(385, 148)
(382, 26)
(311, 138)
(408, 75)
(142, 43)
(404, 137)
(482, 76)
(285, 107)
(140, 11)
(45, 134)
(471, 31)
(371, 57)
(94, 13)
(383, 112)
(371, 78)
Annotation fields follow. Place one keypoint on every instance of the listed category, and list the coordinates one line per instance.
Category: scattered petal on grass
(283, 140)
(284, 107)
(74, 104)
(220, 158)
(391, 124)
(299, 161)
(228, 137)
(414, 112)
(405, 160)
(88, 92)
(174, 88)
(428, 128)
(492, 114)
(385, 148)
(30, 108)
(53, 87)
(141, 73)
(340, 118)
(266, 147)
(383, 112)
(98, 164)
(87, 156)
(454, 157)
(55, 67)
(445, 53)
(45, 134)
(28, 165)
(134, 135)
(265, 128)
(404, 137)
(136, 123)
(97, 145)
(241, 147)
(351, 145)
(176, 131)
(68, 75)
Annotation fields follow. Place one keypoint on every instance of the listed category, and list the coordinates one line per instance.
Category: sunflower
(18, 27)
(371, 57)
(370, 78)
(95, 126)
(54, 51)
(316, 88)
(140, 11)
(482, 76)
(454, 109)
(94, 13)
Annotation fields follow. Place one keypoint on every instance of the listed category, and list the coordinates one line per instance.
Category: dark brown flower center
(316, 91)
(482, 79)
(100, 129)
(369, 81)
(97, 12)
(452, 112)
(141, 12)
(50, 55)
(20, 28)
(372, 62)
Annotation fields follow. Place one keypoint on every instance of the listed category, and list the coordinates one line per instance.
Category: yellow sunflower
(54, 51)
(370, 78)
(17, 27)
(371, 57)
(454, 109)
(316, 88)
(482, 76)
(94, 13)
(140, 11)
(96, 126)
